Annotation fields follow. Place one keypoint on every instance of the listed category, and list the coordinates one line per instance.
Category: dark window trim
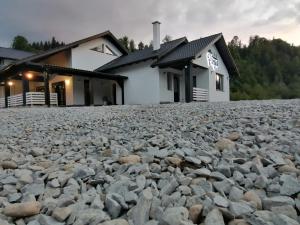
(220, 84)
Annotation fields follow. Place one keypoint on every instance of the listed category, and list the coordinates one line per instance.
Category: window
(219, 82)
(104, 49)
(169, 81)
(1, 61)
(194, 81)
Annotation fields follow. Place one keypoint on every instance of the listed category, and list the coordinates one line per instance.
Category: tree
(125, 42)
(167, 38)
(132, 46)
(141, 45)
(21, 43)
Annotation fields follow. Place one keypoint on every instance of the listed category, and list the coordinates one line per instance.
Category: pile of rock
(180, 164)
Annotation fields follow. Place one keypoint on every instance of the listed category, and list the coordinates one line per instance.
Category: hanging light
(10, 83)
(67, 82)
(29, 75)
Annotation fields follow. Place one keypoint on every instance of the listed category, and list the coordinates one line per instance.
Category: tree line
(269, 69)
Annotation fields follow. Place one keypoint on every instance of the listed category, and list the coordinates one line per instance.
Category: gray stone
(290, 185)
(235, 194)
(287, 210)
(203, 172)
(115, 222)
(170, 187)
(48, 220)
(221, 201)
(34, 189)
(36, 151)
(61, 214)
(239, 209)
(174, 216)
(83, 172)
(142, 210)
(284, 220)
(113, 207)
(214, 217)
(268, 203)
(261, 182)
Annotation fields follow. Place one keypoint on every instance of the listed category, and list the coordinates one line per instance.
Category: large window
(219, 82)
(169, 81)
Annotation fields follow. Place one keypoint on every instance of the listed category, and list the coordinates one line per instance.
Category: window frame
(219, 82)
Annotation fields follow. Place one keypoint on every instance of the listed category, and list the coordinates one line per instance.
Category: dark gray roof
(10, 53)
(107, 34)
(188, 50)
(142, 55)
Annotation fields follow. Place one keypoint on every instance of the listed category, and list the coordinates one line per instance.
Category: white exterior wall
(69, 86)
(85, 58)
(214, 95)
(142, 85)
(168, 95)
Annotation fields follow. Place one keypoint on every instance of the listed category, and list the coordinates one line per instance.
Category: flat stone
(238, 222)
(224, 143)
(131, 159)
(169, 188)
(61, 214)
(235, 194)
(239, 209)
(174, 216)
(35, 189)
(234, 136)
(37, 151)
(193, 160)
(115, 222)
(113, 207)
(142, 208)
(20, 210)
(48, 220)
(174, 161)
(290, 185)
(203, 172)
(82, 172)
(252, 196)
(214, 217)
(221, 201)
(9, 165)
(270, 202)
(287, 210)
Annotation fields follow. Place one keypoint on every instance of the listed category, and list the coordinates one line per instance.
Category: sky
(71, 20)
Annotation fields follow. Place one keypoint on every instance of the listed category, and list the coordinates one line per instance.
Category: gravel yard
(231, 163)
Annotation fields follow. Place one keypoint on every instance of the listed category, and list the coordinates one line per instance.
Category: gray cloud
(69, 20)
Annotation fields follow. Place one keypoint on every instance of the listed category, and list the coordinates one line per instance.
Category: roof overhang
(11, 71)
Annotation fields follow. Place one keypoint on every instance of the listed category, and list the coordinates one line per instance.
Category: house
(98, 70)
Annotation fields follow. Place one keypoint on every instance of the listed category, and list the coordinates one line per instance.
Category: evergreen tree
(132, 46)
(167, 38)
(141, 46)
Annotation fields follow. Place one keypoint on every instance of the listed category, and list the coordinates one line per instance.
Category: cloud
(69, 20)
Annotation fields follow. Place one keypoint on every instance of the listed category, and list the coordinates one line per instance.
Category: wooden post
(188, 83)
(25, 84)
(47, 90)
(6, 92)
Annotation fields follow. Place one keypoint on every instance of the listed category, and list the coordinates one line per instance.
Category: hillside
(268, 69)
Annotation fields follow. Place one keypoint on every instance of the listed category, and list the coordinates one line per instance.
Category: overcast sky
(70, 20)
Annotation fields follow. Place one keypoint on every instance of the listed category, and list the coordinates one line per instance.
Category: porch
(184, 83)
(36, 84)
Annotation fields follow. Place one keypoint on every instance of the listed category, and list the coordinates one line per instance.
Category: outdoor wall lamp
(29, 75)
(10, 83)
(67, 82)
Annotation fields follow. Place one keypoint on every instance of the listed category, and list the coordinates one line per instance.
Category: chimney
(156, 35)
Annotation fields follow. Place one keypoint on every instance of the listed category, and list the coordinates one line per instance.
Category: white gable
(93, 54)
(211, 59)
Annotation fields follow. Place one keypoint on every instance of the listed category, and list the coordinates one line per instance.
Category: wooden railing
(2, 102)
(32, 98)
(38, 98)
(15, 100)
(200, 94)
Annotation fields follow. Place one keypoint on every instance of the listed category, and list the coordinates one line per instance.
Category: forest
(268, 69)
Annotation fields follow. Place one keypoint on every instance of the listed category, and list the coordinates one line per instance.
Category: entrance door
(60, 89)
(87, 96)
(176, 89)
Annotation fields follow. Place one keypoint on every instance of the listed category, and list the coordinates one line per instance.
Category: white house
(98, 70)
